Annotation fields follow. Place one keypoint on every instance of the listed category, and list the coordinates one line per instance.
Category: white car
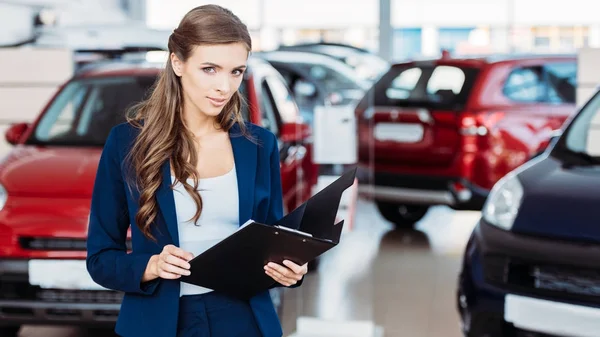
(326, 91)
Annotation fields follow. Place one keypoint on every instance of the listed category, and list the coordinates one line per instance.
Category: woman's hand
(287, 275)
(171, 263)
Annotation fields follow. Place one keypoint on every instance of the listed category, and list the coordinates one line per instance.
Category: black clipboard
(235, 265)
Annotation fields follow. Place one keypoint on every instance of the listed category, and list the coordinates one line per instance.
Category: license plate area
(399, 132)
(61, 274)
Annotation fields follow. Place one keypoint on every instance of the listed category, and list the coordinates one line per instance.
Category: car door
(543, 97)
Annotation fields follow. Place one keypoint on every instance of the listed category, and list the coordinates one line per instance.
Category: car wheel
(9, 331)
(402, 215)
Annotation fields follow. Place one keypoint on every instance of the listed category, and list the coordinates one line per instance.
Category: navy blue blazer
(151, 309)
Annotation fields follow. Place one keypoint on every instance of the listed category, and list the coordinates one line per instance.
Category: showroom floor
(377, 282)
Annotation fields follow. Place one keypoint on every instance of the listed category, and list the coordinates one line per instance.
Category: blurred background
(473, 127)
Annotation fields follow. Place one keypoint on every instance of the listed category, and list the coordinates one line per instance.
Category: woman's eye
(209, 70)
(238, 72)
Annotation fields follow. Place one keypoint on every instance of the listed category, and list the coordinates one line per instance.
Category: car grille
(543, 279)
(56, 244)
(22, 291)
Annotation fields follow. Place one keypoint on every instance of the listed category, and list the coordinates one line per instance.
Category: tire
(9, 331)
(402, 215)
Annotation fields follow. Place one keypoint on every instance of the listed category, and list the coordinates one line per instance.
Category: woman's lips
(218, 102)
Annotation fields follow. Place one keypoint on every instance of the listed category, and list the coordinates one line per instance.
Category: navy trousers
(215, 315)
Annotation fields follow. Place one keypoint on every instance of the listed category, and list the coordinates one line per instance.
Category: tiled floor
(403, 281)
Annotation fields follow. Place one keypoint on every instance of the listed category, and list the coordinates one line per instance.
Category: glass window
(284, 101)
(446, 79)
(431, 86)
(583, 135)
(525, 85)
(407, 43)
(245, 110)
(450, 38)
(404, 84)
(85, 111)
(562, 82)
(267, 109)
(332, 80)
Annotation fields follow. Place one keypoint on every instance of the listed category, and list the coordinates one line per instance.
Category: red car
(443, 132)
(46, 183)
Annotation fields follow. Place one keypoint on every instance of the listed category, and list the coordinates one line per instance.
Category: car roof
(296, 56)
(496, 58)
(317, 45)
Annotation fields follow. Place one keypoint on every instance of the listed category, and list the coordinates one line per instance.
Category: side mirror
(305, 89)
(15, 132)
(294, 132)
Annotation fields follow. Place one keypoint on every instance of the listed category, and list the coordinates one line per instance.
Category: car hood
(50, 172)
(560, 201)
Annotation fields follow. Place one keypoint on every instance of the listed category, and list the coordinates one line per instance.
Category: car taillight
(475, 130)
(471, 125)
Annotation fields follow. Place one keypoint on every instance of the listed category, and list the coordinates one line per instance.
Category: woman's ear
(176, 64)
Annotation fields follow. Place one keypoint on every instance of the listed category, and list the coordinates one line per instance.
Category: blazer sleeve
(108, 262)
(276, 196)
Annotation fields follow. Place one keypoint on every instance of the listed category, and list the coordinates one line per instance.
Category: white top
(219, 217)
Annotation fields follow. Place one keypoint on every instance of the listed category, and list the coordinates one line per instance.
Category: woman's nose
(224, 85)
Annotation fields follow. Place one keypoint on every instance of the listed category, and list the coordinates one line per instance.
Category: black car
(532, 264)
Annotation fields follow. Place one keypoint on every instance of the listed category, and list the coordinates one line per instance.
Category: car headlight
(3, 196)
(503, 203)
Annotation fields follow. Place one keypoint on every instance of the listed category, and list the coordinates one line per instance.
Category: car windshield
(583, 135)
(85, 111)
(335, 77)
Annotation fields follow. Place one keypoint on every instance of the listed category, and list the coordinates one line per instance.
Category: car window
(291, 80)
(562, 82)
(525, 85)
(85, 111)
(268, 113)
(583, 134)
(332, 80)
(244, 110)
(283, 99)
(433, 86)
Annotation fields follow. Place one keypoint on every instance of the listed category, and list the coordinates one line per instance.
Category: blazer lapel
(166, 202)
(244, 153)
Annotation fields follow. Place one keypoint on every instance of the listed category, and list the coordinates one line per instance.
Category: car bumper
(513, 285)
(21, 303)
(425, 190)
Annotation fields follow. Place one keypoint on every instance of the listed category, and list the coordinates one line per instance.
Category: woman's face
(211, 75)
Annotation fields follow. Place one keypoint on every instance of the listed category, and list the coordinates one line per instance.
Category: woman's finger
(294, 267)
(176, 270)
(166, 275)
(278, 278)
(176, 261)
(178, 252)
(282, 278)
(280, 269)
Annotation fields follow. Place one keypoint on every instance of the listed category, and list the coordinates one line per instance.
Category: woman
(187, 170)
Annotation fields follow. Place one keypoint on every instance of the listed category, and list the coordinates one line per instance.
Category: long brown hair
(163, 135)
